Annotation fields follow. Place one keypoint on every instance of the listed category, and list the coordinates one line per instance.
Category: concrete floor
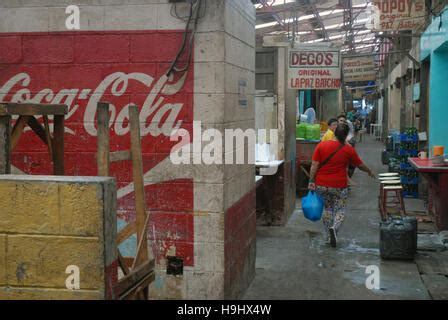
(294, 262)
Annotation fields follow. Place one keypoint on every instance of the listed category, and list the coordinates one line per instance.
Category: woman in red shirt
(328, 177)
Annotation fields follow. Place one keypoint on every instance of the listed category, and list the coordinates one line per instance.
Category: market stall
(437, 177)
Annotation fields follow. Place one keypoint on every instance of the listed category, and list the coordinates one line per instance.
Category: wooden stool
(398, 200)
(386, 183)
(388, 178)
(388, 174)
(27, 112)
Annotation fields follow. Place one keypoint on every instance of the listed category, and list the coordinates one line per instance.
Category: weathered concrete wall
(121, 55)
(394, 112)
(281, 187)
(239, 188)
(48, 223)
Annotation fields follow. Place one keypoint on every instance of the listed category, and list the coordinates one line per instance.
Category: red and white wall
(204, 214)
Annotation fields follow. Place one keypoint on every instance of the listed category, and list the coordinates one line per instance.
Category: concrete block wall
(48, 223)
(135, 41)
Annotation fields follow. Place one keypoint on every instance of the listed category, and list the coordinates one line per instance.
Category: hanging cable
(193, 17)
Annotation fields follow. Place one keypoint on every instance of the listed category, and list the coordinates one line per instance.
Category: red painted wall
(240, 237)
(81, 68)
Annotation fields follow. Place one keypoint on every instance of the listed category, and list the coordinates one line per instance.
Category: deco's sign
(391, 15)
(314, 68)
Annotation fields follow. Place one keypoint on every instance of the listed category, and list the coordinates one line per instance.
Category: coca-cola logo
(158, 117)
(122, 68)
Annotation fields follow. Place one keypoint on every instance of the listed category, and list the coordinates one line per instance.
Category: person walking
(328, 177)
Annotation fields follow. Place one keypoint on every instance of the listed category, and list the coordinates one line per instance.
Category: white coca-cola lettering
(118, 83)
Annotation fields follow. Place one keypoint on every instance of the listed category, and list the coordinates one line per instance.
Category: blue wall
(438, 100)
(434, 44)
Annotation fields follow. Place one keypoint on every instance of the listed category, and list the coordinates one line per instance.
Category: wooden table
(437, 177)
(27, 113)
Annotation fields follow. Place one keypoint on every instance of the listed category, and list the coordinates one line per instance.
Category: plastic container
(409, 194)
(405, 166)
(405, 152)
(438, 151)
(301, 130)
(406, 180)
(408, 137)
(313, 132)
(398, 238)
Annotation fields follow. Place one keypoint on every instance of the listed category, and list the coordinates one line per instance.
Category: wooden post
(103, 153)
(21, 123)
(58, 146)
(5, 144)
(139, 190)
(48, 136)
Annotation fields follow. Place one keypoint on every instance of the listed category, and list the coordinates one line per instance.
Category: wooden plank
(126, 232)
(142, 244)
(304, 171)
(58, 145)
(32, 109)
(17, 131)
(103, 153)
(137, 172)
(37, 128)
(137, 275)
(48, 136)
(120, 156)
(5, 145)
(140, 289)
(122, 263)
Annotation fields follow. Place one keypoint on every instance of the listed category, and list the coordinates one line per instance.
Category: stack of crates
(408, 175)
(394, 147)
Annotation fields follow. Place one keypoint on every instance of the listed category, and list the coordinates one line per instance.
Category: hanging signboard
(314, 68)
(393, 15)
(358, 69)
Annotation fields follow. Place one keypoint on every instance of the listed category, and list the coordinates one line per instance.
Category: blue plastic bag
(312, 206)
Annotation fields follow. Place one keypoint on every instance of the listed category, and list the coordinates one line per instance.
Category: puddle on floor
(352, 247)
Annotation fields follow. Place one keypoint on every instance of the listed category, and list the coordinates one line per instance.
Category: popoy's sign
(358, 69)
(314, 68)
(391, 15)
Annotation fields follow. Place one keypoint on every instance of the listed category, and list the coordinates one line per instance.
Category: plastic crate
(406, 180)
(408, 137)
(405, 166)
(406, 152)
(408, 194)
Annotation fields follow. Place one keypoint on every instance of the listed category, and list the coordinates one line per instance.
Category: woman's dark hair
(332, 120)
(341, 132)
(342, 116)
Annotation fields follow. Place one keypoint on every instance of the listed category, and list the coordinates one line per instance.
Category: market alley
(294, 262)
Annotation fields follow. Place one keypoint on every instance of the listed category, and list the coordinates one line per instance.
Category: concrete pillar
(203, 214)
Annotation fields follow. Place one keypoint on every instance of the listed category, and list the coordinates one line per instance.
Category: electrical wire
(195, 8)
